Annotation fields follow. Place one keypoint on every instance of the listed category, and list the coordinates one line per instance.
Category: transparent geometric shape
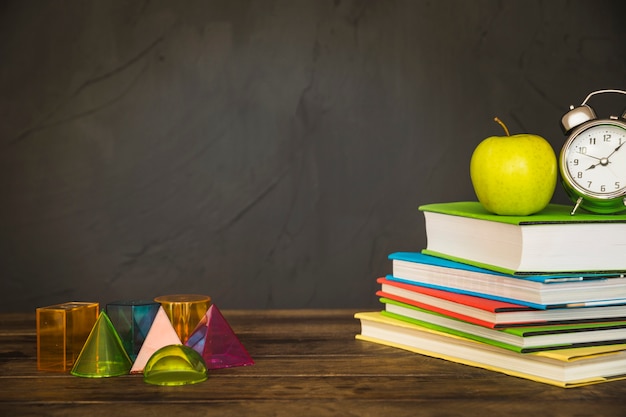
(214, 339)
(132, 319)
(161, 334)
(103, 354)
(175, 365)
(62, 330)
(184, 311)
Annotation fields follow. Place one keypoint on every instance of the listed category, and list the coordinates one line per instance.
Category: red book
(493, 313)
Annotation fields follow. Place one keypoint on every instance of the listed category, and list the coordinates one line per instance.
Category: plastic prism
(62, 330)
(103, 354)
(215, 340)
(161, 334)
(132, 320)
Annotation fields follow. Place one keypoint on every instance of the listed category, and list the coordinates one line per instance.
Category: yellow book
(564, 368)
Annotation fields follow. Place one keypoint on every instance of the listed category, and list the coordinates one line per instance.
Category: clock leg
(580, 199)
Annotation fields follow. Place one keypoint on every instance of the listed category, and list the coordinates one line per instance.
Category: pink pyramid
(161, 334)
(214, 339)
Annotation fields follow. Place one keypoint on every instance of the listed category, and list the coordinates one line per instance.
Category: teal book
(558, 290)
(551, 241)
(518, 339)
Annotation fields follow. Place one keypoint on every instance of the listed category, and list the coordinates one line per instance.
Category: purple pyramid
(214, 339)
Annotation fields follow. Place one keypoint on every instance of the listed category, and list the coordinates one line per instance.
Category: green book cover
(431, 326)
(540, 243)
(516, 331)
(553, 213)
(483, 265)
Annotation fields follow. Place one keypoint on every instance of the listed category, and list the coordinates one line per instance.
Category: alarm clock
(593, 159)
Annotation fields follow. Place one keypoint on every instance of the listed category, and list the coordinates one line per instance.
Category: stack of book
(541, 297)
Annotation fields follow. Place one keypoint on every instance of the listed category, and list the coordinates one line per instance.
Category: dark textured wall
(267, 153)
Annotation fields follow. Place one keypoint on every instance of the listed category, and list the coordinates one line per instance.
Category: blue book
(539, 291)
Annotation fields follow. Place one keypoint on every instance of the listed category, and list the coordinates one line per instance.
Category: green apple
(514, 175)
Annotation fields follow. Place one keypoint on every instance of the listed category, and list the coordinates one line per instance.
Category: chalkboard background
(270, 154)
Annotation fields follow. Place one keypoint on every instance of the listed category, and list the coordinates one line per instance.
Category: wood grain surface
(307, 362)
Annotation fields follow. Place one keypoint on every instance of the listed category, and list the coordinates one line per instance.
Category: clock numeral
(602, 188)
(592, 141)
(607, 137)
(579, 174)
(589, 184)
(617, 185)
(575, 162)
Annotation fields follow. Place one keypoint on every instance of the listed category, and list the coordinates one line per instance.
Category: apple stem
(501, 123)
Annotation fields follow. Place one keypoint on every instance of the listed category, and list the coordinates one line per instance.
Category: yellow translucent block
(62, 330)
(175, 365)
(184, 311)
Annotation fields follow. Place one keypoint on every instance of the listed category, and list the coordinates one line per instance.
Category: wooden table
(307, 363)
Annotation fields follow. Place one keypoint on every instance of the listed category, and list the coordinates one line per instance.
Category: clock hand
(590, 156)
(602, 161)
(615, 150)
(594, 157)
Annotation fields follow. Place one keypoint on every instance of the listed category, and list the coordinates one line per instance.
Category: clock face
(593, 160)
